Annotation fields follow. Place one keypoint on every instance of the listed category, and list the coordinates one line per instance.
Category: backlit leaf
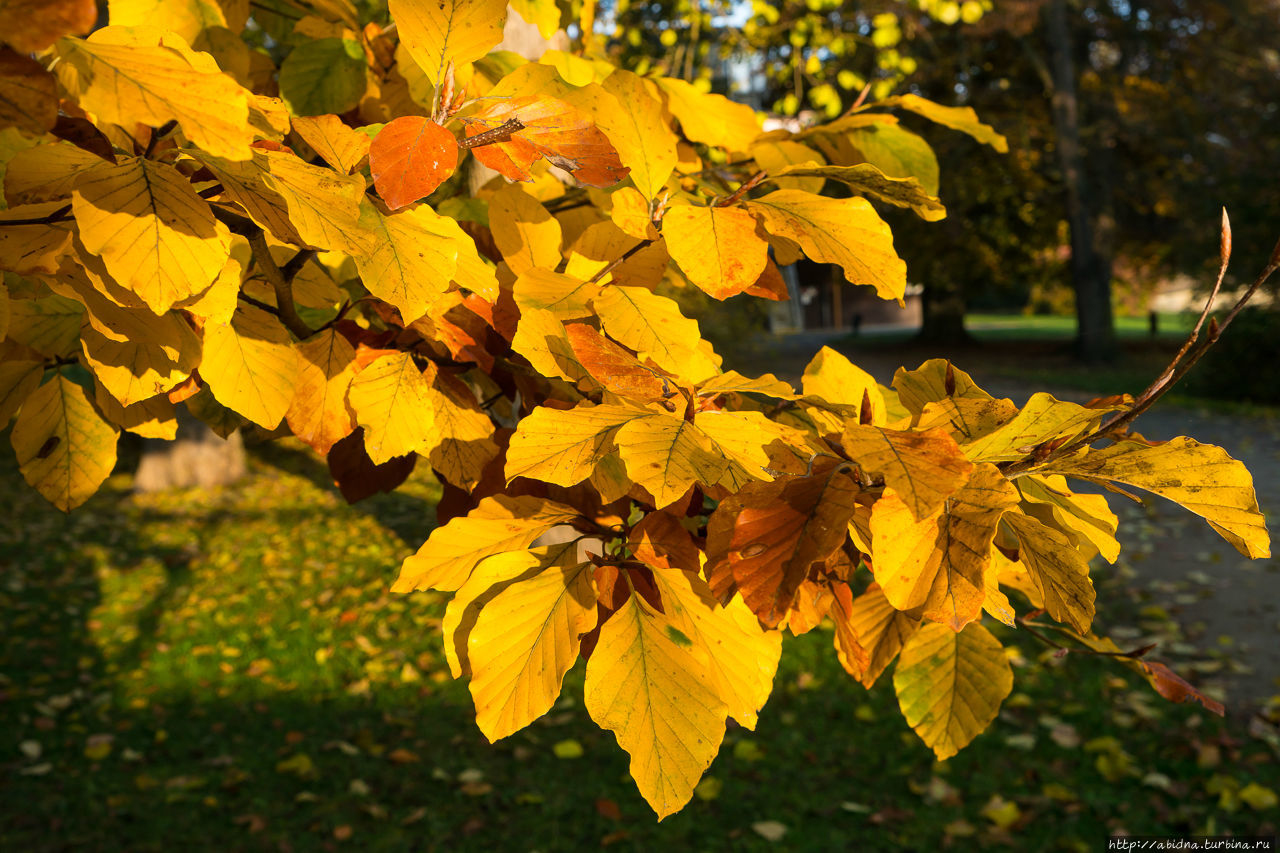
(950, 684)
(499, 524)
(834, 378)
(716, 247)
(1058, 570)
(187, 18)
(938, 564)
(713, 119)
(65, 449)
(566, 297)
(1043, 418)
(656, 696)
(409, 158)
(28, 98)
(524, 641)
(318, 412)
(634, 124)
(156, 236)
(134, 370)
(392, 400)
(128, 83)
(847, 232)
(33, 25)
(923, 468)
(32, 249)
(1201, 477)
(322, 76)
(413, 260)
(928, 383)
(614, 367)
(439, 32)
(1087, 515)
(463, 444)
(250, 366)
(19, 377)
(868, 180)
(963, 119)
(151, 418)
(653, 326)
(562, 446)
(49, 325)
(549, 128)
(881, 631)
(527, 235)
(667, 455)
(47, 172)
(342, 147)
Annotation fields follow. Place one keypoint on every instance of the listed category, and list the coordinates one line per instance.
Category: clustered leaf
(317, 264)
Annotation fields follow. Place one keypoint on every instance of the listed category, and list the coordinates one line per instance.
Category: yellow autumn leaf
(565, 297)
(932, 381)
(543, 14)
(543, 340)
(499, 524)
(32, 249)
(187, 18)
(340, 146)
(716, 247)
(152, 418)
(733, 382)
(155, 235)
(630, 212)
(526, 234)
(922, 468)
(318, 412)
(1088, 515)
(392, 401)
(47, 172)
(437, 33)
(412, 261)
(741, 437)
(524, 641)
(937, 564)
(65, 449)
(881, 631)
(653, 326)
(603, 243)
(744, 656)
(250, 366)
(1058, 570)
(649, 685)
(667, 455)
(49, 325)
(968, 419)
(134, 370)
(491, 575)
(1201, 477)
(963, 119)
(775, 155)
(845, 231)
(126, 84)
(867, 179)
(634, 124)
(712, 119)
(19, 377)
(33, 25)
(463, 443)
(950, 684)
(1043, 418)
(835, 379)
(563, 446)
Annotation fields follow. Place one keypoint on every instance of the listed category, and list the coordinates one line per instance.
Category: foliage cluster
(177, 235)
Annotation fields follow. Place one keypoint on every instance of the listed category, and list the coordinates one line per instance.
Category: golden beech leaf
(153, 84)
(712, 119)
(527, 235)
(463, 444)
(733, 382)
(648, 683)
(157, 237)
(491, 575)
(963, 119)
(151, 418)
(409, 158)
(49, 325)
(923, 468)
(716, 247)
(340, 146)
(19, 377)
(844, 231)
(250, 366)
(1087, 515)
(47, 172)
(937, 564)
(634, 124)
(541, 126)
(33, 25)
(778, 531)
(187, 18)
(544, 341)
(524, 641)
(742, 438)
(968, 419)
(604, 243)
(498, 525)
(135, 370)
(776, 155)
(318, 413)
(32, 249)
(833, 378)
(563, 446)
(630, 212)
(933, 381)
(950, 684)
(1043, 418)
(440, 33)
(392, 400)
(653, 327)
(28, 94)
(869, 180)
(65, 449)
(742, 659)
(667, 455)
(614, 367)
(1201, 477)
(414, 258)
(1058, 570)
(565, 297)
(660, 541)
(881, 631)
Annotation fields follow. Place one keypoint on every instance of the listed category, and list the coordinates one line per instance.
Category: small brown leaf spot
(46, 449)
(755, 549)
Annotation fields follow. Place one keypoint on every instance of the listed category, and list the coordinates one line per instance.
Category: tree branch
(282, 286)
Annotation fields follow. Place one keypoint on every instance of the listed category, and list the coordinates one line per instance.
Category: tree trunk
(197, 457)
(1090, 258)
(942, 322)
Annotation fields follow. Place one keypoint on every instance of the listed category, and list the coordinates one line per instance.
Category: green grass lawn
(226, 670)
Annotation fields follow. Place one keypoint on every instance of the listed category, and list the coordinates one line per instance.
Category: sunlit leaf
(562, 446)
(716, 247)
(653, 326)
(413, 260)
(65, 449)
(318, 413)
(713, 119)
(392, 400)
(33, 25)
(250, 366)
(409, 158)
(963, 119)
(527, 235)
(633, 122)
(868, 180)
(923, 468)
(550, 128)
(439, 32)
(1058, 570)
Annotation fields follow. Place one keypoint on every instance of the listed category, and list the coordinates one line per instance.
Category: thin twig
(282, 286)
(62, 214)
(156, 135)
(627, 255)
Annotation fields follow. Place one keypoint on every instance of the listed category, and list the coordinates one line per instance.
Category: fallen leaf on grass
(568, 749)
(1259, 797)
(770, 830)
(1001, 812)
(299, 765)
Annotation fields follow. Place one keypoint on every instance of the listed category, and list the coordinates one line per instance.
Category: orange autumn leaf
(614, 367)
(33, 25)
(509, 136)
(409, 158)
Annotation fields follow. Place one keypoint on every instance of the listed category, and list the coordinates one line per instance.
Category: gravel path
(1201, 599)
